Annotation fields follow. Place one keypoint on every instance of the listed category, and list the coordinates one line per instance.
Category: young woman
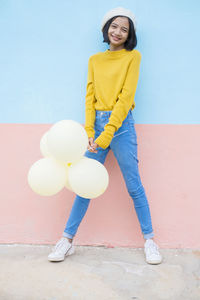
(111, 87)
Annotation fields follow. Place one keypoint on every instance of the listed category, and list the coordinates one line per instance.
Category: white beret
(118, 11)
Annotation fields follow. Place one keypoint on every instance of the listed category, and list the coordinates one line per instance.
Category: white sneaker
(151, 251)
(62, 248)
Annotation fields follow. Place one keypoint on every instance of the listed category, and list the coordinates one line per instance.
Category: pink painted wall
(169, 161)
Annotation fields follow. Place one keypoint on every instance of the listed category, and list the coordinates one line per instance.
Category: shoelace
(153, 249)
(59, 246)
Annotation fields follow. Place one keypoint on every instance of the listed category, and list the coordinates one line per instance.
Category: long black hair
(131, 41)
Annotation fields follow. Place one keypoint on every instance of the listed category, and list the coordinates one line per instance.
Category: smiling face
(118, 33)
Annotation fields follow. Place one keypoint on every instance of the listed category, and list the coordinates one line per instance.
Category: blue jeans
(124, 147)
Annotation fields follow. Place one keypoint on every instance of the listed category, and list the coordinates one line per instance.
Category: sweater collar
(116, 53)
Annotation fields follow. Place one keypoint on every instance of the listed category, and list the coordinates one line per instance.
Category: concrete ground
(97, 273)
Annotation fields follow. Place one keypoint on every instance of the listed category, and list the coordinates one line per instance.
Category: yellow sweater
(111, 85)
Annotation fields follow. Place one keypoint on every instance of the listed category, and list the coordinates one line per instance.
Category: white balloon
(67, 184)
(66, 165)
(43, 146)
(88, 178)
(67, 141)
(47, 176)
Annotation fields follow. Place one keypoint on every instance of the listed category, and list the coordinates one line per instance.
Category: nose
(117, 31)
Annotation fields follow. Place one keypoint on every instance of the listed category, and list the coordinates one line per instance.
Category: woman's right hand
(91, 144)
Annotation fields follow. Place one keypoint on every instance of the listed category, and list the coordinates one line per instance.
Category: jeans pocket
(119, 132)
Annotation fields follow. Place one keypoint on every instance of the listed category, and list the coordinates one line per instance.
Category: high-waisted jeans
(124, 147)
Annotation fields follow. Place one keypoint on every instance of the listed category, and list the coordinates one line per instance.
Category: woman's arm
(123, 104)
(89, 102)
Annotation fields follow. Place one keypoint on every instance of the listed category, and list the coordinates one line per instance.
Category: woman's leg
(81, 204)
(124, 147)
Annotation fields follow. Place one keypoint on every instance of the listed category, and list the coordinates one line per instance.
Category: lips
(115, 38)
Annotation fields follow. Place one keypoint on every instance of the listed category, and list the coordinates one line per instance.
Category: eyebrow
(122, 26)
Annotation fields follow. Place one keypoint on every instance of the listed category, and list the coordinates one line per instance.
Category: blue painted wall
(45, 46)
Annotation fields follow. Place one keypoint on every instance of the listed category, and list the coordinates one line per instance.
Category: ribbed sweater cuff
(101, 142)
(105, 137)
(90, 132)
